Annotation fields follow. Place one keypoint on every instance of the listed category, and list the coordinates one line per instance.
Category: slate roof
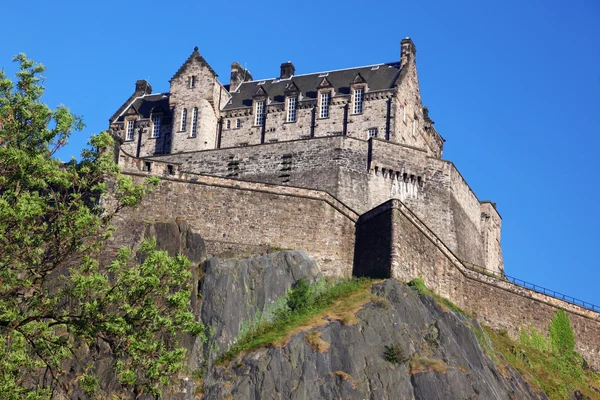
(148, 104)
(378, 77)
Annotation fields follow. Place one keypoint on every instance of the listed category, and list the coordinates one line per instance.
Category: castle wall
(417, 252)
(148, 145)
(362, 175)
(277, 129)
(246, 217)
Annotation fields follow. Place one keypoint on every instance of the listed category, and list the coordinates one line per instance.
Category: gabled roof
(146, 105)
(377, 77)
(195, 56)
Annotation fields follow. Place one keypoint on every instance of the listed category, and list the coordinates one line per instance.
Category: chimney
(408, 52)
(238, 75)
(142, 87)
(287, 70)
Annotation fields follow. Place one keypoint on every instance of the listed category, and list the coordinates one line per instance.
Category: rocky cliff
(400, 345)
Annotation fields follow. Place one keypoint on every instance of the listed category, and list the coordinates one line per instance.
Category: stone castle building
(360, 134)
(344, 164)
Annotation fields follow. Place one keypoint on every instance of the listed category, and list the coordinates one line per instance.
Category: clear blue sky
(513, 87)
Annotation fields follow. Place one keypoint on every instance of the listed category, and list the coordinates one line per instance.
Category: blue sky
(513, 87)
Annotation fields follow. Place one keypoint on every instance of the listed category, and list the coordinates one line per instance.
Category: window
(155, 127)
(238, 123)
(183, 119)
(147, 166)
(194, 122)
(259, 113)
(372, 132)
(130, 125)
(170, 169)
(357, 99)
(324, 105)
(291, 109)
(228, 124)
(192, 82)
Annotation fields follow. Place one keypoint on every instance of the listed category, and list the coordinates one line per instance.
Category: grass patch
(419, 285)
(306, 307)
(315, 341)
(425, 364)
(558, 375)
(344, 376)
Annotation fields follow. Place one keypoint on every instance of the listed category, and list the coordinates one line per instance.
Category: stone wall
(417, 252)
(277, 129)
(364, 174)
(248, 218)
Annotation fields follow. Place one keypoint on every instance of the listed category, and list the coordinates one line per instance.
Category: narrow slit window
(130, 125)
(194, 122)
(291, 109)
(238, 123)
(358, 100)
(324, 105)
(192, 82)
(228, 124)
(259, 114)
(183, 119)
(156, 127)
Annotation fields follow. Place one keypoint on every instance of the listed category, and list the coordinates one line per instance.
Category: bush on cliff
(59, 308)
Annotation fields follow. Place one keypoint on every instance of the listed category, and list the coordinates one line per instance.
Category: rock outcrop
(443, 359)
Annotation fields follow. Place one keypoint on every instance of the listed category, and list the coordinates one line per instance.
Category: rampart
(247, 217)
(364, 174)
(409, 249)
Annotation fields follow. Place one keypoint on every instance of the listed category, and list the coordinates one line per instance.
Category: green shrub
(298, 297)
(394, 354)
(562, 339)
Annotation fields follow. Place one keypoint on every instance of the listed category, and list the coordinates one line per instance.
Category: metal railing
(534, 287)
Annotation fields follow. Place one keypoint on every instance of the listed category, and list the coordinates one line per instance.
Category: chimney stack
(408, 52)
(287, 70)
(238, 75)
(142, 87)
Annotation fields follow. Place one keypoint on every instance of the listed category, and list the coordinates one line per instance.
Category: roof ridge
(322, 72)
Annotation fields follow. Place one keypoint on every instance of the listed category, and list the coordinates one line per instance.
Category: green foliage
(395, 354)
(419, 285)
(298, 297)
(318, 298)
(533, 339)
(56, 299)
(557, 376)
(562, 338)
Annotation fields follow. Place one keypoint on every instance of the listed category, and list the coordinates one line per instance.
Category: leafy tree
(58, 303)
(562, 338)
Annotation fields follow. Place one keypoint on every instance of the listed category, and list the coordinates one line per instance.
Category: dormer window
(259, 113)
(324, 100)
(357, 100)
(155, 127)
(291, 109)
(192, 82)
(194, 122)
(183, 120)
(130, 126)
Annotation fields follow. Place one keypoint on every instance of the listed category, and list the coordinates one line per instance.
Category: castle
(344, 164)
(360, 134)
